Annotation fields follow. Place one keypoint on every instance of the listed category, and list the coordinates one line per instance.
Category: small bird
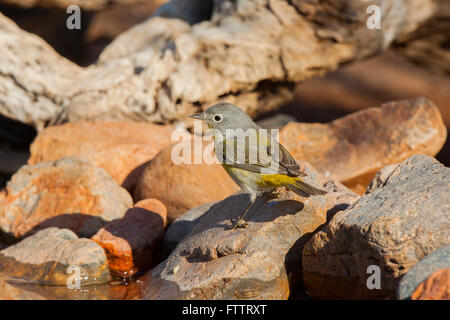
(253, 158)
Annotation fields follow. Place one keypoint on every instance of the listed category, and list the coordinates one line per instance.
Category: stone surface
(182, 186)
(133, 243)
(262, 261)
(45, 258)
(68, 193)
(393, 227)
(423, 270)
(436, 287)
(121, 148)
(353, 148)
(182, 226)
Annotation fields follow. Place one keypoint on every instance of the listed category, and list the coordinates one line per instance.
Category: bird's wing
(259, 157)
(289, 163)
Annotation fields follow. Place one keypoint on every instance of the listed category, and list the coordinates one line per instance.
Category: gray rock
(182, 226)
(438, 259)
(262, 261)
(394, 226)
(54, 257)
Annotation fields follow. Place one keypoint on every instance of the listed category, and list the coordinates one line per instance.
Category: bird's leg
(240, 223)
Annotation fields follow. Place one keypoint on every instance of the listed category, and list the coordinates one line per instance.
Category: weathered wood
(250, 53)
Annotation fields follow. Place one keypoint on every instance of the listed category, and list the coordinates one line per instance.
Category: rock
(423, 270)
(54, 257)
(68, 193)
(121, 148)
(436, 287)
(133, 243)
(262, 261)
(393, 227)
(183, 225)
(352, 149)
(183, 186)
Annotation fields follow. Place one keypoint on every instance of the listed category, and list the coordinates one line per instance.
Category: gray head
(223, 115)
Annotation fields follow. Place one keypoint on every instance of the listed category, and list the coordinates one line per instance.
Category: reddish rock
(133, 243)
(121, 148)
(352, 149)
(183, 186)
(69, 193)
(436, 287)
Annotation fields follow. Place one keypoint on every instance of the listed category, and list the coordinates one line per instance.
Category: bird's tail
(302, 188)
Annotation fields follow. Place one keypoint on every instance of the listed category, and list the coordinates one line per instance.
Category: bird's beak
(199, 116)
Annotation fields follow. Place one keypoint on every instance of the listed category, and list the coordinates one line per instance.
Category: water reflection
(13, 289)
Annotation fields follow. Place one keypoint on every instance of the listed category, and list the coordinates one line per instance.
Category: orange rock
(183, 186)
(353, 148)
(133, 243)
(121, 148)
(69, 193)
(436, 287)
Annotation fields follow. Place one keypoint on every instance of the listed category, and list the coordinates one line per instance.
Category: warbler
(255, 161)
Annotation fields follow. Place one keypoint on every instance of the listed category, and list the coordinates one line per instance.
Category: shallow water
(15, 289)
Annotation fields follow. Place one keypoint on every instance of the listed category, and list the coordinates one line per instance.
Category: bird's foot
(271, 195)
(240, 223)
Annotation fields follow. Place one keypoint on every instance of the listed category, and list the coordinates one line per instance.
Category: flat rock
(421, 271)
(436, 287)
(68, 193)
(54, 257)
(393, 227)
(133, 243)
(262, 261)
(183, 225)
(183, 186)
(352, 149)
(121, 148)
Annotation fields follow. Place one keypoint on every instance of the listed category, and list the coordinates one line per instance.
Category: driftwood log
(247, 52)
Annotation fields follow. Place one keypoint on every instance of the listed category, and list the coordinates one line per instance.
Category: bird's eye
(217, 118)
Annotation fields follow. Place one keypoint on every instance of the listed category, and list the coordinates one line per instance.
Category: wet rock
(121, 148)
(352, 149)
(423, 270)
(436, 287)
(183, 225)
(262, 261)
(68, 193)
(393, 227)
(182, 186)
(55, 257)
(133, 243)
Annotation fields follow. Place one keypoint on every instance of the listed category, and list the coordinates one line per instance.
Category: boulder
(133, 243)
(420, 274)
(55, 257)
(436, 287)
(68, 193)
(352, 149)
(121, 148)
(391, 228)
(262, 261)
(182, 226)
(183, 186)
